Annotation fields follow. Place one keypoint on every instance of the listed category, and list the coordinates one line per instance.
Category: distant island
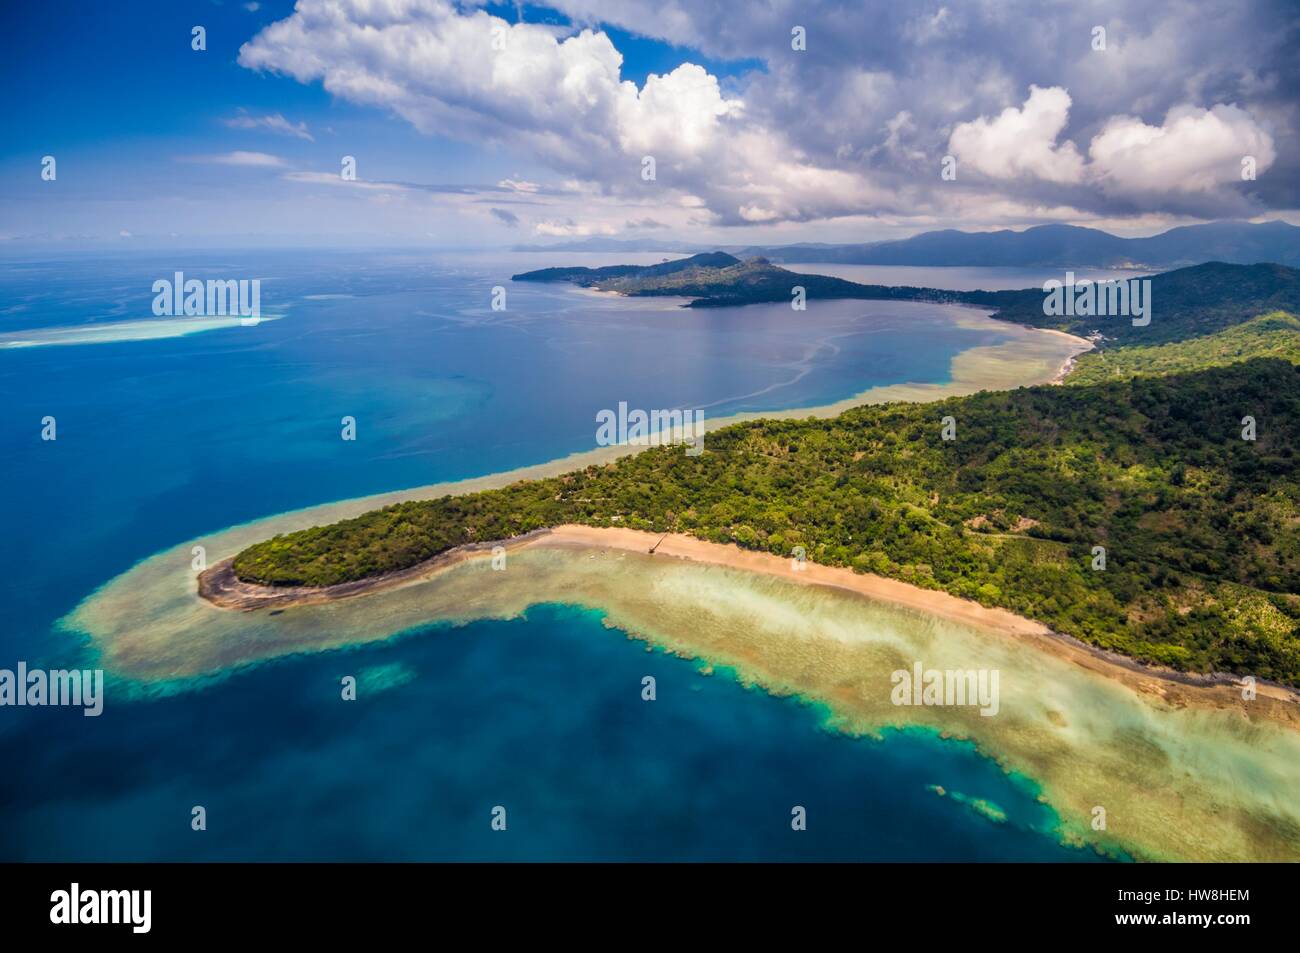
(1143, 456)
(1189, 301)
(716, 280)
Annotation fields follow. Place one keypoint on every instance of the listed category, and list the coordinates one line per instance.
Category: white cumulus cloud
(1021, 142)
(477, 77)
(1194, 150)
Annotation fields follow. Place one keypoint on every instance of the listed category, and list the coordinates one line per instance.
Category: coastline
(112, 615)
(1185, 771)
(989, 367)
(1072, 361)
(1164, 754)
(1216, 691)
(1220, 690)
(116, 615)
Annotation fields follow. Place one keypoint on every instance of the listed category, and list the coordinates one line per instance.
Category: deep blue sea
(160, 441)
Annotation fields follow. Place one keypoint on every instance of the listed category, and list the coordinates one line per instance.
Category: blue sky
(123, 102)
(458, 143)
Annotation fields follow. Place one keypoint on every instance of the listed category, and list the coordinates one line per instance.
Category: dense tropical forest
(1186, 303)
(1201, 528)
(1276, 334)
(1142, 455)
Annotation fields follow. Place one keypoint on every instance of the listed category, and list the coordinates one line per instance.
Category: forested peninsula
(1145, 458)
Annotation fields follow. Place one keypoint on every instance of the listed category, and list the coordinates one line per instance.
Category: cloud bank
(857, 124)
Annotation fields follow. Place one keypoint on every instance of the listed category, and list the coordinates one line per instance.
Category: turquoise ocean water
(161, 441)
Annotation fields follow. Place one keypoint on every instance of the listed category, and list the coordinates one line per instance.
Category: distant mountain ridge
(1055, 246)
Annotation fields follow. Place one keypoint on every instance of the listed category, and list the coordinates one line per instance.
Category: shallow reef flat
(1181, 771)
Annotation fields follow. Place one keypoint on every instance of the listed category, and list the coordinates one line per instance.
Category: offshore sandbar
(116, 332)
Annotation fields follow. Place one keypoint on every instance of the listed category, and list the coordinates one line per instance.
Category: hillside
(1185, 303)
(1201, 528)
(1142, 455)
(1268, 335)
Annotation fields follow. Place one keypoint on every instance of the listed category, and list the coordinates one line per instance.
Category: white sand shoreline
(221, 588)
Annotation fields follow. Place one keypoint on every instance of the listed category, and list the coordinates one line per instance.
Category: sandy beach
(1186, 768)
(222, 588)
(1215, 691)
(1073, 360)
